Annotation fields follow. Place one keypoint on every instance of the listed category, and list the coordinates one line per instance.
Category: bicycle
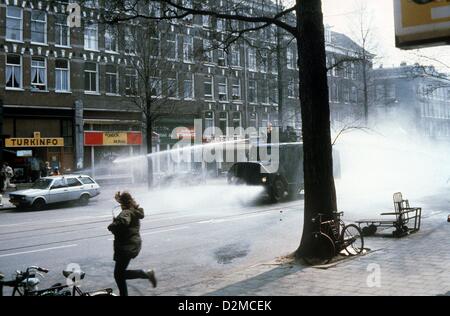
(26, 284)
(333, 237)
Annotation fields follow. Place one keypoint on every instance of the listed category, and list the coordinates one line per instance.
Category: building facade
(67, 82)
(416, 97)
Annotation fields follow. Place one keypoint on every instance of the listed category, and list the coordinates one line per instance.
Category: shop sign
(421, 25)
(24, 153)
(112, 138)
(37, 141)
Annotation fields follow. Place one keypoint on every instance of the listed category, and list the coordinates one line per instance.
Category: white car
(57, 189)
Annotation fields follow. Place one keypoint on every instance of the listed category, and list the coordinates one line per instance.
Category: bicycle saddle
(74, 274)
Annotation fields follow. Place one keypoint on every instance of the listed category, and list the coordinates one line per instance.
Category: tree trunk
(149, 132)
(320, 192)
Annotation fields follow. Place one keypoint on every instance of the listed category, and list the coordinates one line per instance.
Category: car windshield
(42, 184)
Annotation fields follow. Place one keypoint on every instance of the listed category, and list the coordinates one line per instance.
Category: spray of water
(377, 164)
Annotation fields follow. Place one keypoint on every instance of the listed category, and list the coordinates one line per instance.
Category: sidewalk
(418, 264)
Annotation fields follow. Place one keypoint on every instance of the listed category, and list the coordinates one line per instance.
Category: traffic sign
(421, 24)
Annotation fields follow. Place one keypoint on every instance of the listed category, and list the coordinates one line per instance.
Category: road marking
(37, 250)
(159, 231)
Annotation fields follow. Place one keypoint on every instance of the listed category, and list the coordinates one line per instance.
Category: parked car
(56, 189)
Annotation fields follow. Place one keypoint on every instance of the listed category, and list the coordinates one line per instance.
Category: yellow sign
(115, 139)
(422, 25)
(37, 141)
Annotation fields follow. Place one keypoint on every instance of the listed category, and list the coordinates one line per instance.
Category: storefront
(103, 148)
(29, 156)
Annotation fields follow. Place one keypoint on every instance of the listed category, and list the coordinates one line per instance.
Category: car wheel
(84, 200)
(38, 205)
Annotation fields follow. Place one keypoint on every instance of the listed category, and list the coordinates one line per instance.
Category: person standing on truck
(127, 242)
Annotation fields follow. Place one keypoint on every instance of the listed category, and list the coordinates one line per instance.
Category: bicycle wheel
(322, 250)
(352, 239)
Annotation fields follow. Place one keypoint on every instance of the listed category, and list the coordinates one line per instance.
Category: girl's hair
(126, 200)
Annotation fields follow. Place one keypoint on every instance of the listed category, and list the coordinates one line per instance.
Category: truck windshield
(42, 184)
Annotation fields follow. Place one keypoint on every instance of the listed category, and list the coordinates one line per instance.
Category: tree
(150, 82)
(304, 21)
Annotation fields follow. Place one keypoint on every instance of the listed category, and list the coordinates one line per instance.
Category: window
(291, 88)
(87, 181)
(155, 45)
(129, 42)
(67, 132)
(91, 37)
(222, 58)
(274, 63)
(334, 68)
(111, 39)
(354, 96)
(253, 120)
(265, 120)
(91, 77)
(62, 75)
(235, 56)
(290, 58)
(220, 25)
(62, 30)
(252, 91)
(346, 92)
(207, 51)
(237, 120)
(59, 184)
(273, 97)
(38, 74)
(38, 26)
(72, 182)
(236, 89)
(188, 88)
(223, 88)
(131, 82)
(209, 120)
(208, 87)
(156, 87)
(172, 46)
(391, 91)
(379, 92)
(13, 72)
(334, 92)
(155, 9)
(172, 88)
(223, 122)
(206, 21)
(265, 92)
(263, 64)
(188, 4)
(14, 23)
(188, 49)
(251, 59)
(112, 80)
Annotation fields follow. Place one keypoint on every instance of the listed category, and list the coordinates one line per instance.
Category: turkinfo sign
(36, 141)
(421, 25)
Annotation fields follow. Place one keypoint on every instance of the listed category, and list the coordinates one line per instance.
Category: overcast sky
(343, 16)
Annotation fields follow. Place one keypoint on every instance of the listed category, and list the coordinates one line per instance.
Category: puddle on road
(228, 253)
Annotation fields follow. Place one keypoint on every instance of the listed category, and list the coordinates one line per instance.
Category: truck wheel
(278, 190)
(38, 205)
